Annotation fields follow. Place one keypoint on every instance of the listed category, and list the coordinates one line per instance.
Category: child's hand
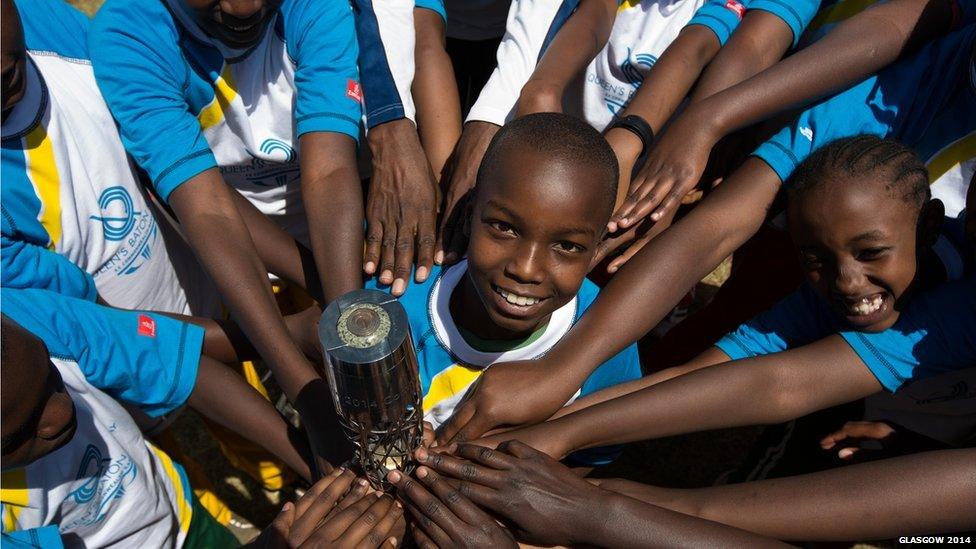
(507, 394)
(443, 516)
(673, 167)
(855, 436)
(546, 503)
(401, 207)
(458, 182)
(336, 511)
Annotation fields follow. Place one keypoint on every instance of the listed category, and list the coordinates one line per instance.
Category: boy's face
(534, 229)
(237, 23)
(38, 414)
(13, 64)
(857, 246)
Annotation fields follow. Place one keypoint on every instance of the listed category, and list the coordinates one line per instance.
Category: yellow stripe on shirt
(184, 512)
(627, 4)
(449, 382)
(955, 153)
(225, 90)
(43, 173)
(14, 496)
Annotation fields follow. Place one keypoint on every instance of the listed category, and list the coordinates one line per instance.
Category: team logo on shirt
(735, 7)
(134, 232)
(354, 91)
(105, 479)
(147, 326)
(118, 216)
(278, 149)
(632, 71)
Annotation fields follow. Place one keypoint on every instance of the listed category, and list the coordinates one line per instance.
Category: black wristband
(637, 126)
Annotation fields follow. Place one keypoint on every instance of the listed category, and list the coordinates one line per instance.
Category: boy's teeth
(520, 300)
(867, 305)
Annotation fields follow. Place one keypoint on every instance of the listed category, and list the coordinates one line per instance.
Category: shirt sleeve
(795, 13)
(798, 319)
(531, 26)
(48, 537)
(436, 6)
(934, 335)
(26, 265)
(54, 26)
(143, 358)
(142, 75)
(721, 17)
(321, 37)
(386, 58)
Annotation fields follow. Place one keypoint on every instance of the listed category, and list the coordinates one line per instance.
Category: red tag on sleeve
(354, 91)
(737, 7)
(147, 326)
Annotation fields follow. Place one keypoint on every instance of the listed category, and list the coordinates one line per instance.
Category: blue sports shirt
(143, 358)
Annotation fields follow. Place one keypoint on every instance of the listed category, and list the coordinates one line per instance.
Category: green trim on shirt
(500, 345)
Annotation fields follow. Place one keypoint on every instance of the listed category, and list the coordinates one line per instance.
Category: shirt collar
(450, 338)
(26, 114)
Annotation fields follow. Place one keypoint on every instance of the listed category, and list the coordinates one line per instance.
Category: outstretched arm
(754, 391)
(853, 50)
(226, 398)
(333, 202)
(434, 91)
(578, 41)
(865, 501)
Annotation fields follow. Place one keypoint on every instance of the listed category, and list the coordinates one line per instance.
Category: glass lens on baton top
(363, 325)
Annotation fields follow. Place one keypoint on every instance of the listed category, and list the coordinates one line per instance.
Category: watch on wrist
(637, 126)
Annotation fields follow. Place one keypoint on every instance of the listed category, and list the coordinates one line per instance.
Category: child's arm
(710, 357)
(755, 391)
(436, 96)
(757, 43)
(578, 41)
(853, 50)
(865, 501)
(227, 399)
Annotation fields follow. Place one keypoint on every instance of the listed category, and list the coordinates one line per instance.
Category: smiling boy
(523, 283)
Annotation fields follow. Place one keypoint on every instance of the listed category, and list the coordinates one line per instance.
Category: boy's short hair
(560, 137)
(859, 156)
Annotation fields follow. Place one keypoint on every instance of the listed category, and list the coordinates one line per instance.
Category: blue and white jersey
(386, 34)
(185, 102)
(108, 486)
(75, 219)
(925, 101)
(449, 364)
